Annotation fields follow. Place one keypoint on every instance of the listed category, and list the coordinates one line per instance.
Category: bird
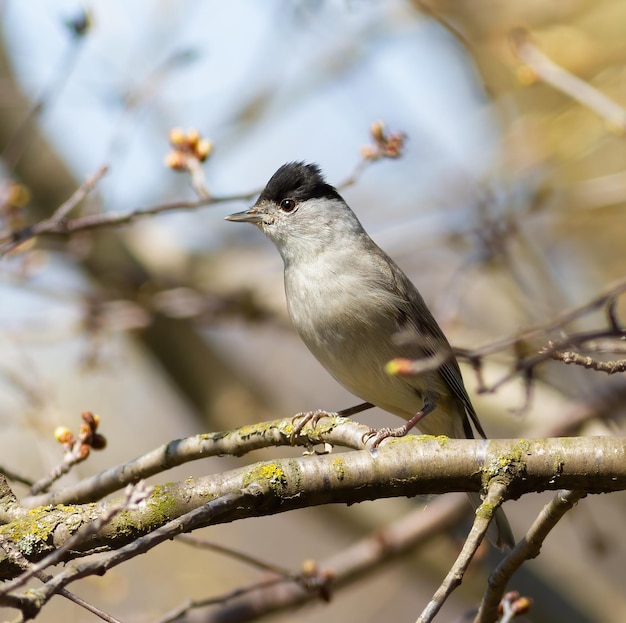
(356, 310)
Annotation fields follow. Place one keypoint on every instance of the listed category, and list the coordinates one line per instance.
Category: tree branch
(527, 548)
(411, 466)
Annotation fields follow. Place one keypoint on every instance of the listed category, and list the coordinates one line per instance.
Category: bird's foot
(306, 417)
(374, 436)
(314, 417)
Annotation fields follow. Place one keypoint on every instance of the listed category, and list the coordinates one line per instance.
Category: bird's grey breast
(348, 321)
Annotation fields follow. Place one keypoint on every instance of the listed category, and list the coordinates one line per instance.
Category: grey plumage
(355, 309)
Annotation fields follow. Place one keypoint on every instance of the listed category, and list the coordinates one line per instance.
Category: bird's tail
(499, 532)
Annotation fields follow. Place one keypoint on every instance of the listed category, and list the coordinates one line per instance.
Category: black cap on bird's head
(298, 181)
(294, 182)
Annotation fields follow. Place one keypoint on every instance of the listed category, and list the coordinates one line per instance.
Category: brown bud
(369, 153)
(309, 566)
(377, 130)
(176, 137)
(192, 138)
(522, 605)
(63, 435)
(203, 148)
(98, 441)
(83, 452)
(91, 419)
(176, 160)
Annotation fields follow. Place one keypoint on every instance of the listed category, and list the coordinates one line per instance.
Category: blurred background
(506, 209)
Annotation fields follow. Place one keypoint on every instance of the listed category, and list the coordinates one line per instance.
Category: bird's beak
(249, 216)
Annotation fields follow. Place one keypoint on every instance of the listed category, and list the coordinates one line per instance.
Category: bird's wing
(417, 318)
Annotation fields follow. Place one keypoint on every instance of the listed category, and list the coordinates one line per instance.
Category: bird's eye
(287, 205)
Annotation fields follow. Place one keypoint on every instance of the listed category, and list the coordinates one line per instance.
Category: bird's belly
(353, 338)
(362, 372)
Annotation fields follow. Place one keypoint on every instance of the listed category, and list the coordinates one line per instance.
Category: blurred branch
(201, 375)
(14, 148)
(543, 68)
(426, 7)
(58, 218)
(348, 566)
(528, 354)
(59, 225)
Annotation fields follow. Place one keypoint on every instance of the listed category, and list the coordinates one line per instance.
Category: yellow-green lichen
(32, 533)
(271, 474)
(508, 463)
(254, 430)
(339, 468)
(161, 506)
(442, 440)
(485, 510)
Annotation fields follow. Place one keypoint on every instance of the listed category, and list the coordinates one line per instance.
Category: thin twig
(524, 363)
(484, 514)
(180, 451)
(58, 217)
(558, 322)
(15, 477)
(195, 604)
(341, 570)
(59, 225)
(16, 145)
(610, 367)
(236, 555)
(526, 549)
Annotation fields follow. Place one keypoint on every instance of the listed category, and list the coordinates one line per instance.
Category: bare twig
(62, 226)
(195, 604)
(236, 555)
(527, 548)
(596, 303)
(15, 146)
(342, 569)
(77, 449)
(610, 367)
(528, 356)
(484, 514)
(179, 451)
(58, 218)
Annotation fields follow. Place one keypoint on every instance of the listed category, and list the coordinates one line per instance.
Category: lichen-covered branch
(406, 467)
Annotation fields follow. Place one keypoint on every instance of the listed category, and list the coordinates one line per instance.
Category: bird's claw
(305, 418)
(375, 436)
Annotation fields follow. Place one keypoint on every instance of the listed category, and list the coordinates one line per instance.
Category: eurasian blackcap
(356, 310)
